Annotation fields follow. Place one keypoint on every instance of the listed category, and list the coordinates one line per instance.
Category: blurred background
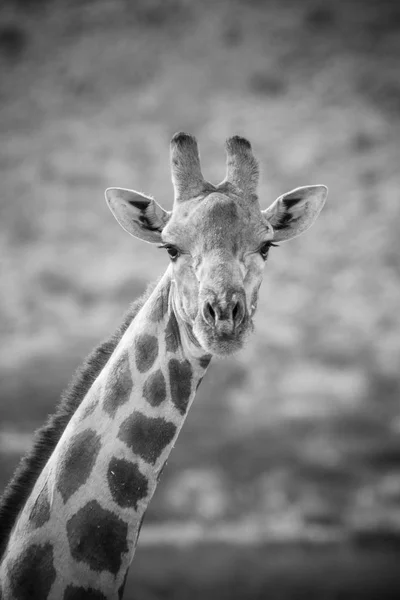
(285, 482)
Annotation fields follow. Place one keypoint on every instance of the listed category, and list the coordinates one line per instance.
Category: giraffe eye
(265, 248)
(172, 251)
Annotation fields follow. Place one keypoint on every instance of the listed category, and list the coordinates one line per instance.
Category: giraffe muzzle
(223, 316)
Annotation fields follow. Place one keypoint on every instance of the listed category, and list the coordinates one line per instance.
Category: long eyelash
(271, 244)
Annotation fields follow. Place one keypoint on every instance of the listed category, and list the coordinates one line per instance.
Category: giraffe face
(217, 238)
(218, 245)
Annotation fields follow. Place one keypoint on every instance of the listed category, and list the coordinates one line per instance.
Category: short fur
(187, 178)
(242, 168)
(47, 437)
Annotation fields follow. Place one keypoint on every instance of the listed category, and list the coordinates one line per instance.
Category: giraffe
(71, 517)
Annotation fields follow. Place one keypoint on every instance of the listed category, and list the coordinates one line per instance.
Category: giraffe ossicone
(73, 511)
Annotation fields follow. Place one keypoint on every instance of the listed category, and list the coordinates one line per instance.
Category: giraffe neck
(80, 525)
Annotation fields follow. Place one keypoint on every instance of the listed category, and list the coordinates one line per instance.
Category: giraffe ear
(296, 211)
(138, 214)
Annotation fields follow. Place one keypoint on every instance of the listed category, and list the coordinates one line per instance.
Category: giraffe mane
(46, 438)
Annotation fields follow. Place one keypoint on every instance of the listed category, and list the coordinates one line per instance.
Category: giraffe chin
(219, 342)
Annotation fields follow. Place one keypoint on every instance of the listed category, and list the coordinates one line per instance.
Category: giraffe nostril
(211, 311)
(209, 314)
(221, 316)
(235, 311)
(238, 312)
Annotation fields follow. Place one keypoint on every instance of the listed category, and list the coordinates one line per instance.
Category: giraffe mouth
(223, 339)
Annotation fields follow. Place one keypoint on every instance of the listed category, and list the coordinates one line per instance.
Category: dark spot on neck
(119, 385)
(172, 334)
(78, 461)
(205, 361)
(145, 436)
(98, 538)
(40, 512)
(127, 484)
(79, 593)
(180, 378)
(32, 573)
(160, 306)
(154, 389)
(146, 351)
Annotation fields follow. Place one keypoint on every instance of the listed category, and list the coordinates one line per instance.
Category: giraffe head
(217, 238)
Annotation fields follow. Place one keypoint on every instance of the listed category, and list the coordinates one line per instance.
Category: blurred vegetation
(299, 434)
(276, 572)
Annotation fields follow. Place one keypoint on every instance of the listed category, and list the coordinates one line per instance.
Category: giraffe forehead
(215, 219)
